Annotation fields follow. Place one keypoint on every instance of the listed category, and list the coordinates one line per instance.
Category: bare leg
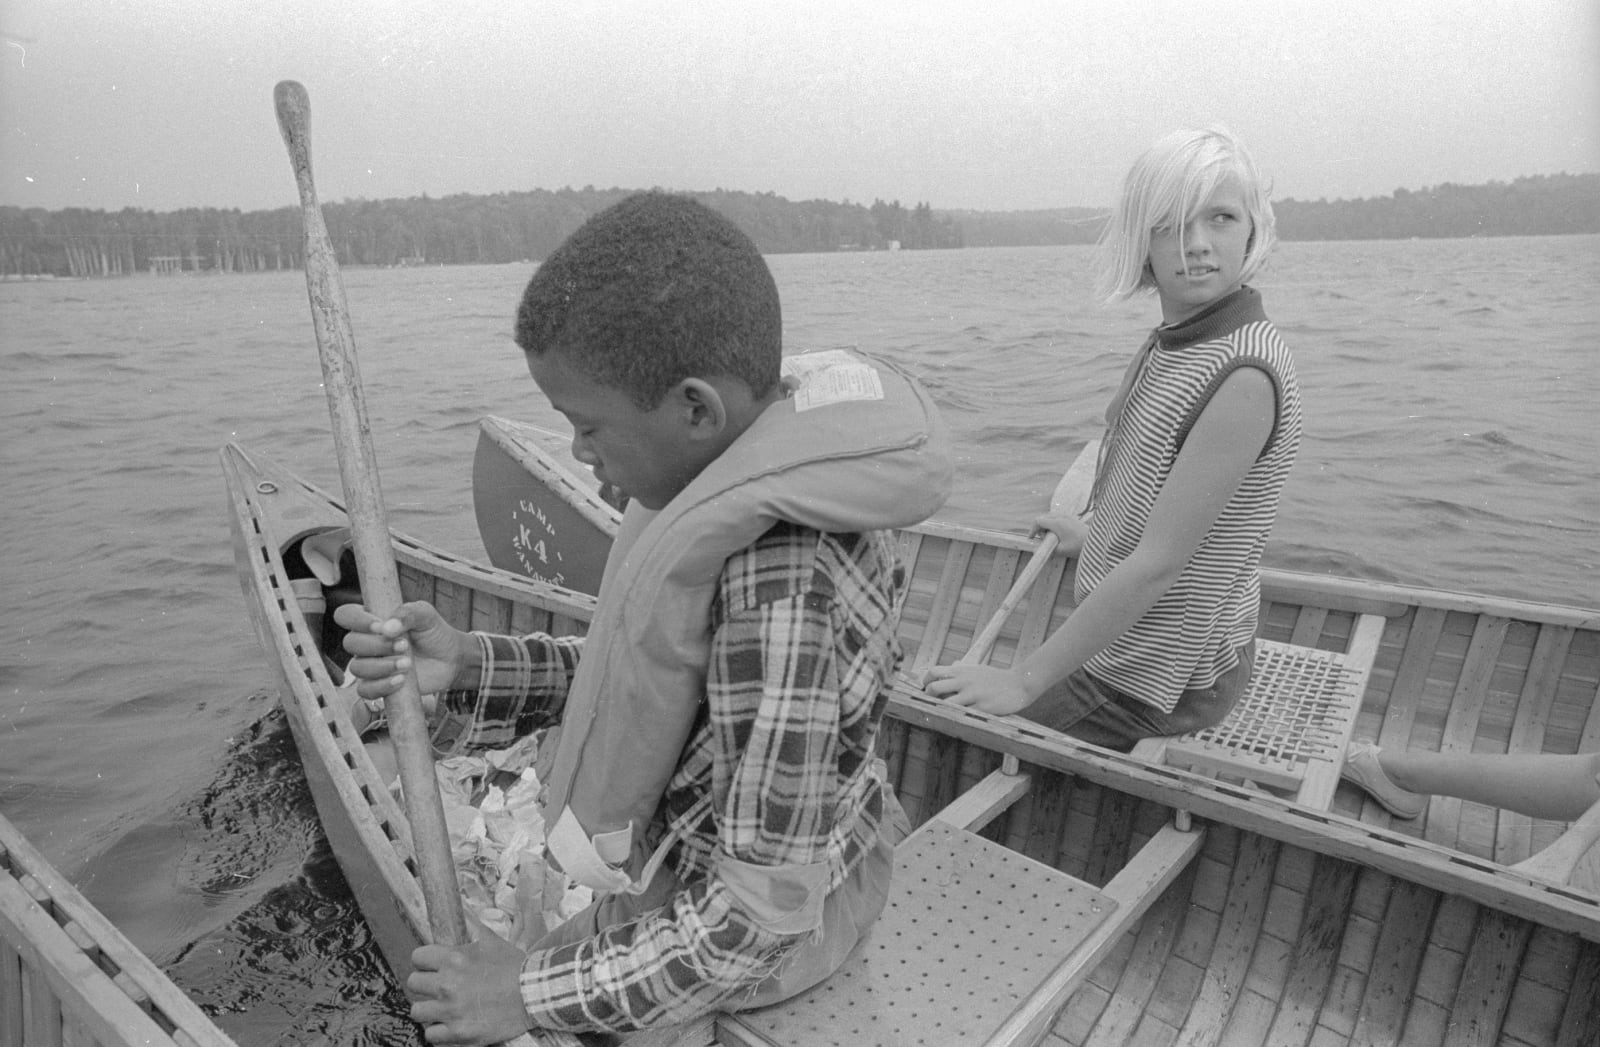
(1560, 788)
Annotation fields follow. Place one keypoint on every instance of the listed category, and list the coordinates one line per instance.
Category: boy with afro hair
(712, 775)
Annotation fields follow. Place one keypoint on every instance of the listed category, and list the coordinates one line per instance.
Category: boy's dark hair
(652, 290)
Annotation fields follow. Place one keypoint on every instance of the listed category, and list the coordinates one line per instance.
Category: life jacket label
(831, 377)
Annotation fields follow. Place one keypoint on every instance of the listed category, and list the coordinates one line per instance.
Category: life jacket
(856, 446)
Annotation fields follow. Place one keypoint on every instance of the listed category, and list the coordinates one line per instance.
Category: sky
(988, 104)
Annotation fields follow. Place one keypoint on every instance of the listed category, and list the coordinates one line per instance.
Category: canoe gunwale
(1355, 594)
(1360, 596)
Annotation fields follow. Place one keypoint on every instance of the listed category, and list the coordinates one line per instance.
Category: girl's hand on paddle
(468, 995)
(1070, 530)
(983, 687)
(383, 649)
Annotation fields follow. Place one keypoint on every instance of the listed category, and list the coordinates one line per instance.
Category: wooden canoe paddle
(1071, 497)
(358, 469)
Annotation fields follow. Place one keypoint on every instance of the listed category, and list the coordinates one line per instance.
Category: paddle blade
(1071, 496)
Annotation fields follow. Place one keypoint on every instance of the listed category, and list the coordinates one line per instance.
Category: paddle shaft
(358, 469)
(1071, 495)
(1030, 572)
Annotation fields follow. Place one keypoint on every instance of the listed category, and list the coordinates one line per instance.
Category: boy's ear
(703, 407)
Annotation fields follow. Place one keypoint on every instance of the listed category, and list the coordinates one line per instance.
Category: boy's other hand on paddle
(468, 995)
(998, 691)
(383, 649)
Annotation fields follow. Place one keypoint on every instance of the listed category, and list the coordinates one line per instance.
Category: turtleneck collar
(1215, 320)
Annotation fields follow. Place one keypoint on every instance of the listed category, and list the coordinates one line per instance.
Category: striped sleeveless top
(1193, 633)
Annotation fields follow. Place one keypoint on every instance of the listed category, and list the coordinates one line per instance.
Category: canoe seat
(977, 944)
(1289, 732)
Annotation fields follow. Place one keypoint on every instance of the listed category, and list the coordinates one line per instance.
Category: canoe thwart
(982, 803)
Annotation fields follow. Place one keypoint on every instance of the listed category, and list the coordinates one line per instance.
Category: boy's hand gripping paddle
(358, 469)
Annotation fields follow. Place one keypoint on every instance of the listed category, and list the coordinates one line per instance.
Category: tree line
(1539, 205)
(507, 227)
(453, 230)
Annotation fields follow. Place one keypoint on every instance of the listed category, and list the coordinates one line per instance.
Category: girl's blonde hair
(1166, 187)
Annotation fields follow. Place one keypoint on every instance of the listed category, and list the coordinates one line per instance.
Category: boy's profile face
(645, 453)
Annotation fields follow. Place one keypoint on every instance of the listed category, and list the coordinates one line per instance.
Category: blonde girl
(1199, 441)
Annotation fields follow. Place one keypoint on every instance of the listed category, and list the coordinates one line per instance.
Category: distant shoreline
(514, 227)
(204, 273)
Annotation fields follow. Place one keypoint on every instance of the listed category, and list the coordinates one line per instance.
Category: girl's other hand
(383, 649)
(1070, 530)
(983, 687)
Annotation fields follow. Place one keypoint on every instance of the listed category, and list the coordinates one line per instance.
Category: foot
(1362, 767)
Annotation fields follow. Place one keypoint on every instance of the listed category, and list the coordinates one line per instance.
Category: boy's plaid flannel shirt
(778, 770)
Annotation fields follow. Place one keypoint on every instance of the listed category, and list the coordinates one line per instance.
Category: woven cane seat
(1289, 732)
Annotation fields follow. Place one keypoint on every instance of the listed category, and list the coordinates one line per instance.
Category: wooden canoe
(1295, 925)
(68, 976)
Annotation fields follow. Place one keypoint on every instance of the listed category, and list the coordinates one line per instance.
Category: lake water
(1451, 391)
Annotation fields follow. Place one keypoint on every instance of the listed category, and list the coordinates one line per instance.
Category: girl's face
(1201, 262)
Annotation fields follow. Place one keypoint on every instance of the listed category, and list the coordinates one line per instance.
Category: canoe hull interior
(1293, 926)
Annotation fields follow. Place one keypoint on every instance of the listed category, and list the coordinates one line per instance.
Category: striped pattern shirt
(1192, 634)
(778, 771)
